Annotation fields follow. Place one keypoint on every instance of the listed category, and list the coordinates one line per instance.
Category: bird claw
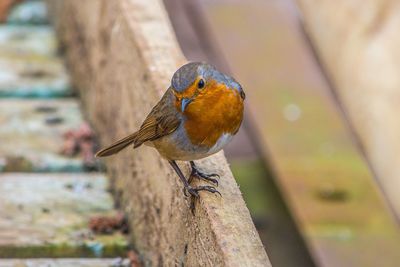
(186, 190)
(194, 191)
(204, 176)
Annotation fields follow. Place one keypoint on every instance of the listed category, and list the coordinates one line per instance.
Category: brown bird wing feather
(162, 120)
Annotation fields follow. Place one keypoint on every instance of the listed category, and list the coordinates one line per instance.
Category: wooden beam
(122, 55)
(358, 43)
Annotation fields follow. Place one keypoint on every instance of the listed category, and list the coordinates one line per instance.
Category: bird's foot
(201, 175)
(194, 191)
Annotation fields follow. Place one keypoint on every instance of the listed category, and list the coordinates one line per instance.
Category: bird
(197, 116)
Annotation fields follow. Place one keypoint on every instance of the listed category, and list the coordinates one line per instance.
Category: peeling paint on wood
(47, 215)
(33, 75)
(27, 40)
(32, 135)
(29, 65)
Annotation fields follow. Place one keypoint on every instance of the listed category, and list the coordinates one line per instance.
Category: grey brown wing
(162, 120)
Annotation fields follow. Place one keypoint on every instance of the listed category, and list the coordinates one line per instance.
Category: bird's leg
(180, 175)
(201, 175)
(192, 190)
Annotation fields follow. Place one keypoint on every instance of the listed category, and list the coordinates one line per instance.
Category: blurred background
(317, 159)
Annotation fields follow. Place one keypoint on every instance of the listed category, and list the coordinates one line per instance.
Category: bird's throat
(212, 114)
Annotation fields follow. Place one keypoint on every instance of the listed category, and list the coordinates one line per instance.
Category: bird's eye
(201, 84)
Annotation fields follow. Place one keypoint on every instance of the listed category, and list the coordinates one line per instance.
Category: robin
(196, 117)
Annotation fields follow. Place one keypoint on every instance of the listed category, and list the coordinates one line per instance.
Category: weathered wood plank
(358, 43)
(64, 263)
(47, 215)
(29, 65)
(330, 190)
(32, 135)
(28, 76)
(122, 55)
(27, 40)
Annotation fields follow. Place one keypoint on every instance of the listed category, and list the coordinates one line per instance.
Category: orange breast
(215, 111)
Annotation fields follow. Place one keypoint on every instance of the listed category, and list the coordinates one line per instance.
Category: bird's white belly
(221, 142)
(173, 147)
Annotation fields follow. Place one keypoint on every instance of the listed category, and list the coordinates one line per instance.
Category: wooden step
(33, 135)
(27, 40)
(47, 215)
(29, 64)
(65, 263)
(32, 75)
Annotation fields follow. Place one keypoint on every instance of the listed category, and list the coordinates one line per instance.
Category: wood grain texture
(358, 44)
(122, 55)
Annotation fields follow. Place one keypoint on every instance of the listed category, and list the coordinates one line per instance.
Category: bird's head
(197, 82)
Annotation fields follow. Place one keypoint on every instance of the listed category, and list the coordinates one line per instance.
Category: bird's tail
(117, 146)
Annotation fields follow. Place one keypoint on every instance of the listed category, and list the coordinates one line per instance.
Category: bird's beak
(185, 102)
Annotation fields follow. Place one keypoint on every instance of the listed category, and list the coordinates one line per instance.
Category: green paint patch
(65, 250)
